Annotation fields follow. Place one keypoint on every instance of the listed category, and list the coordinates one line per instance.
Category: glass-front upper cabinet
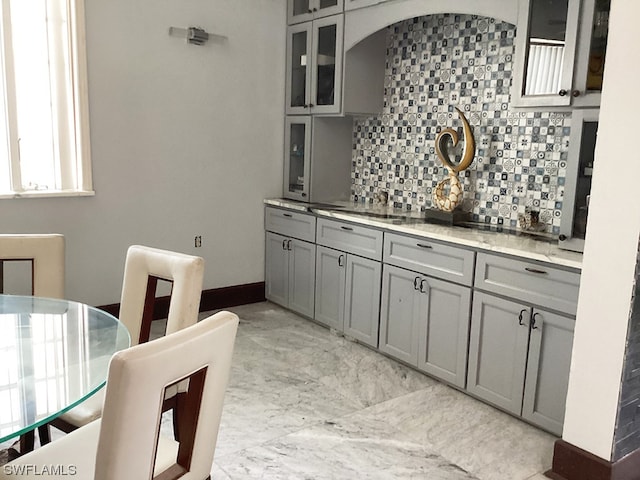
(577, 190)
(314, 67)
(297, 144)
(560, 58)
(304, 10)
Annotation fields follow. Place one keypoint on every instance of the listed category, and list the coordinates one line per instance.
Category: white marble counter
(524, 246)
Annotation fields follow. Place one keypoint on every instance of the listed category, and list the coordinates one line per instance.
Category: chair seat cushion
(86, 412)
(74, 456)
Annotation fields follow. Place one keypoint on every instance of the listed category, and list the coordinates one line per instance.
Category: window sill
(49, 194)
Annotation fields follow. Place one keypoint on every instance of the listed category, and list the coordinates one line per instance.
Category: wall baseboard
(573, 463)
(212, 299)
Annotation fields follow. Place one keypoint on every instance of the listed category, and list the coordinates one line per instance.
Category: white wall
(611, 247)
(186, 140)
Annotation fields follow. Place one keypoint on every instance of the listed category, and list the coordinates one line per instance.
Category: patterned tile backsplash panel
(434, 64)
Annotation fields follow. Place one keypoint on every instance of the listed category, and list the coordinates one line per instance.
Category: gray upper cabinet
(314, 67)
(304, 10)
(548, 364)
(577, 190)
(560, 55)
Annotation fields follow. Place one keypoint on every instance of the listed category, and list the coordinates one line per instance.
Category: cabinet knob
(315, 9)
(563, 93)
(575, 93)
(303, 194)
(562, 237)
(309, 11)
(311, 105)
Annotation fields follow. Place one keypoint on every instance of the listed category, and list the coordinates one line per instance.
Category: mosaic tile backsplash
(433, 64)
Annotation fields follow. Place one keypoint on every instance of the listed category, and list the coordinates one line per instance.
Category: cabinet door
(545, 53)
(330, 287)
(545, 390)
(297, 147)
(444, 330)
(302, 270)
(326, 67)
(592, 47)
(299, 11)
(400, 313)
(498, 351)
(298, 81)
(277, 269)
(362, 299)
(304, 10)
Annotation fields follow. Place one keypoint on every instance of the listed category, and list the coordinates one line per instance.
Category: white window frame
(74, 155)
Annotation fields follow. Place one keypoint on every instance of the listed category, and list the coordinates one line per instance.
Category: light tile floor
(305, 403)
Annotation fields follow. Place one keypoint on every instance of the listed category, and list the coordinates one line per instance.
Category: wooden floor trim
(212, 299)
(573, 463)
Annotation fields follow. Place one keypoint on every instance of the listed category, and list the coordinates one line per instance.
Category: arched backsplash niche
(433, 64)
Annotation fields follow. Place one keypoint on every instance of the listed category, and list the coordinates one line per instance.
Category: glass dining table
(54, 354)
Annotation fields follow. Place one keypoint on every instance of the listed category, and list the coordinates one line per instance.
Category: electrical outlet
(197, 241)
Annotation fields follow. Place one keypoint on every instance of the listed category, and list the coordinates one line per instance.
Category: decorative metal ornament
(444, 202)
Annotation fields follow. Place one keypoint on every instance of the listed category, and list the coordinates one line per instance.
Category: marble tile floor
(305, 403)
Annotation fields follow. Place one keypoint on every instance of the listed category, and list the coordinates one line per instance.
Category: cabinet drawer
(430, 258)
(363, 241)
(290, 224)
(531, 282)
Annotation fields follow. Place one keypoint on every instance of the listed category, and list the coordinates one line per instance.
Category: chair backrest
(135, 390)
(46, 254)
(143, 267)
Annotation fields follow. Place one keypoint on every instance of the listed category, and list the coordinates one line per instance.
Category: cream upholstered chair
(143, 267)
(123, 444)
(46, 254)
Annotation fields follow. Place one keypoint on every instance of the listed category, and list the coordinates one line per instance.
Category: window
(44, 130)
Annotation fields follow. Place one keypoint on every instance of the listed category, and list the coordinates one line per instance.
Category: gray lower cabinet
(290, 273)
(425, 322)
(519, 359)
(348, 293)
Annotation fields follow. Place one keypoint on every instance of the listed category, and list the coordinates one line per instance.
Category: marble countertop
(518, 244)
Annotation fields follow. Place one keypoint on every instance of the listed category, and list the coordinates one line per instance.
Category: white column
(611, 245)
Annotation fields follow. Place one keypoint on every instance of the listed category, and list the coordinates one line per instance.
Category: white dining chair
(144, 266)
(46, 253)
(126, 442)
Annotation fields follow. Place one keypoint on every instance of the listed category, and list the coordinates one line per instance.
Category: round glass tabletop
(54, 354)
